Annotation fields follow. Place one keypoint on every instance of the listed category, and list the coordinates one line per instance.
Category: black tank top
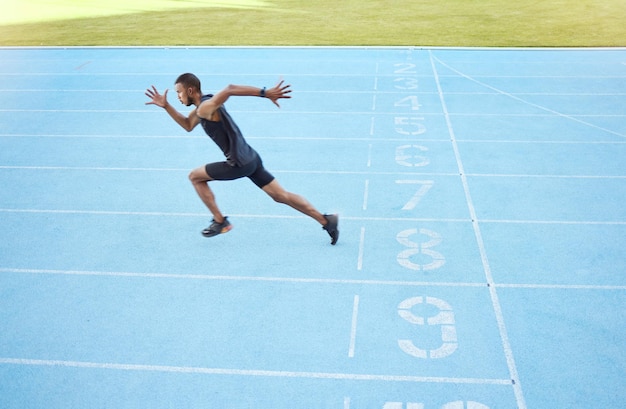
(226, 134)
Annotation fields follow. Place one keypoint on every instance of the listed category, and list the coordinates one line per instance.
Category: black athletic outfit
(241, 159)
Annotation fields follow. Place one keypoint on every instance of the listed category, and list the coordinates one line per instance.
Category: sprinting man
(241, 159)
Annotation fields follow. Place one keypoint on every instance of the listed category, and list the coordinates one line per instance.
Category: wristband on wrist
(262, 93)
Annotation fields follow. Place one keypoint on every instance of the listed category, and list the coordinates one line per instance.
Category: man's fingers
(285, 91)
(154, 95)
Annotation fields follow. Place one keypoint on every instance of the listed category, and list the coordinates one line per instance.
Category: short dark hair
(188, 80)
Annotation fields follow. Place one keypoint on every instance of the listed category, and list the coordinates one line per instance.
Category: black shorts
(253, 170)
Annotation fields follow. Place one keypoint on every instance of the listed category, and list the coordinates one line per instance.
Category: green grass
(484, 23)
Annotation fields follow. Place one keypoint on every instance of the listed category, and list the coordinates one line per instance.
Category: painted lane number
(444, 318)
(415, 248)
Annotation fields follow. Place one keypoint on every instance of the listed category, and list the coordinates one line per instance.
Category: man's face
(183, 94)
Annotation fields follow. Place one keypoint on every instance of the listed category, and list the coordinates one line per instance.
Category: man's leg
(280, 195)
(199, 178)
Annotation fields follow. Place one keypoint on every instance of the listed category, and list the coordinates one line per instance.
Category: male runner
(241, 159)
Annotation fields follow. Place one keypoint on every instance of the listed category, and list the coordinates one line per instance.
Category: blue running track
(482, 257)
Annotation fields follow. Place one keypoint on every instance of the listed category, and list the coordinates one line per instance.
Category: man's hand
(157, 99)
(277, 92)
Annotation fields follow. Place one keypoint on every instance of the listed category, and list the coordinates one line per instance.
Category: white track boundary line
(319, 138)
(271, 216)
(317, 172)
(204, 214)
(236, 278)
(506, 345)
(353, 327)
(306, 172)
(522, 100)
(551, 113)
(565, 222)
(544, 142)
(306, 280)
(564, 286)
(249, 112)
(503, 175)
(330, 91)
(359, 264)
(252, 372)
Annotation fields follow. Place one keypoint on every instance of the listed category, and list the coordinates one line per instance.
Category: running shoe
(217, 228)
(331, 227)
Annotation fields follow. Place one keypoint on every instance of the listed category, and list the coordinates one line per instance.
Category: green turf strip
(486, 23)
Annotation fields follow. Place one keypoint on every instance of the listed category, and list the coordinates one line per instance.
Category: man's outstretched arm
(160, 100)
(279, 91)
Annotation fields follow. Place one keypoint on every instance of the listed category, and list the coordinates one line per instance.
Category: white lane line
(241, 215)
(327, 92)
(366, 191)
(252, 372)
(270, 216)
(566, 222)
(359, 264)
(307, 280)
(238, 278)
(354, 218)
(127, 169)
(572, 117)
(564, 286)
(355, 313)
(506, 345)
(325, 172)
(318, 138)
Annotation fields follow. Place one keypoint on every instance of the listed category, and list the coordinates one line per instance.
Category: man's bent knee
(199, 175)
